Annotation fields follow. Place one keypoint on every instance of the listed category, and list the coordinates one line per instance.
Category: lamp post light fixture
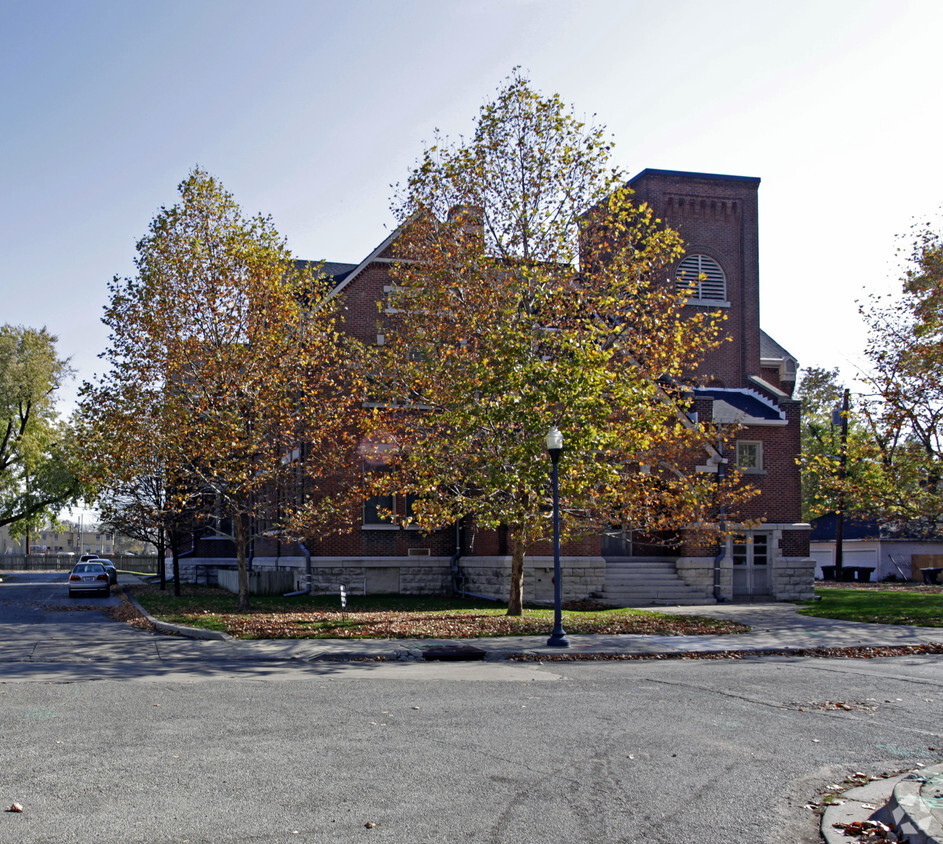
(558, 639)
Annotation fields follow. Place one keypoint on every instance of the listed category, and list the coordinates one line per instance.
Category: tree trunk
(239, 531)
(175, 555)
(516, 599)
(162, 558)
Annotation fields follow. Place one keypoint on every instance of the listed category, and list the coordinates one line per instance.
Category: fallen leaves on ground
(821, 653)
(458, 625)
(416, 624)
(836, 705)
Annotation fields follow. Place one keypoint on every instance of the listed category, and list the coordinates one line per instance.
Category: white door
(751, 565)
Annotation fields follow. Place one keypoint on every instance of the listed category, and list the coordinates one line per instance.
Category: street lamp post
(558, 637)
(840, 421)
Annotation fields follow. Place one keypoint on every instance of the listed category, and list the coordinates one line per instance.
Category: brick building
(749, 383)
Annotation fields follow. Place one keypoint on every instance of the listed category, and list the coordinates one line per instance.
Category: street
(114, 734)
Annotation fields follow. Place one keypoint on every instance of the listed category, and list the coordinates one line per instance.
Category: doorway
(751, 565)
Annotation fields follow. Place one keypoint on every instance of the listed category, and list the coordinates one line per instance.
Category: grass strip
(403, 616)
(916, 606)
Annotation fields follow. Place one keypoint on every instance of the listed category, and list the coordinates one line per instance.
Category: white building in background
(8, 545)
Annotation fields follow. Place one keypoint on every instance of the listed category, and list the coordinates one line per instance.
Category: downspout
(192, 546)
(717, 560)
(721, 475)
(307, 589)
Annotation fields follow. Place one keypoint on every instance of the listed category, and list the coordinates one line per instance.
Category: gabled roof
(337, 271)
(771, 350)
(359, 268)
(334, 271)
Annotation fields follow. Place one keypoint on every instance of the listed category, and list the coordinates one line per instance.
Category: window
(752, 549)
(377, 511)
(750, 456)
(701, 278)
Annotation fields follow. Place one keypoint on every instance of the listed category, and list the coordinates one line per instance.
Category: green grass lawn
(400, 616)
(878, 606)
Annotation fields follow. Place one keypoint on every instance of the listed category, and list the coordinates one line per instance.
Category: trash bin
(828, 572)
(863, 574)
(848, 574)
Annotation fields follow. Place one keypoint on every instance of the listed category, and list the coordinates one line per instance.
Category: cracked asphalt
(115, 734)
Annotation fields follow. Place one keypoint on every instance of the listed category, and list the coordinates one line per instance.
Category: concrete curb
(179, 629)
(862, 803)
(911, 804)
(916, 806)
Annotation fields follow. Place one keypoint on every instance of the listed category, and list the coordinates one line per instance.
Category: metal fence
(63, 562)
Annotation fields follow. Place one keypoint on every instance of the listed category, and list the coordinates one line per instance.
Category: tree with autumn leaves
(530, 292)
(227, 373)
(893, 453)
(839, 473)
(905, 406)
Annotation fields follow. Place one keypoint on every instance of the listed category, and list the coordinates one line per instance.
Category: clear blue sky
(310, 110)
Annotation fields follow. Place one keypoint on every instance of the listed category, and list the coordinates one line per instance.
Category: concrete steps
(648, 581)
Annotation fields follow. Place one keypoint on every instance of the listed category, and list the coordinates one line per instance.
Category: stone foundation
(794, 579)
(490, 577)
(582, 577)
(698, 573)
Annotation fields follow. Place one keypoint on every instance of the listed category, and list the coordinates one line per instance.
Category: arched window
(700, 277)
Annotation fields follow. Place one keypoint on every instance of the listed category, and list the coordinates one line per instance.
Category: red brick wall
(717, 216)
(795, 543)
(779, 499)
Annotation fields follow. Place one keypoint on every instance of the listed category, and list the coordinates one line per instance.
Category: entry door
(751, 565)
(617, 543)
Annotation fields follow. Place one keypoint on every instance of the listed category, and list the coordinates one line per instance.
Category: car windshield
(88, 568)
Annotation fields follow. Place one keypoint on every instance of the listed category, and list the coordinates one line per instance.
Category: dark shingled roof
(769, 348)
(333, 270)
(823, 528)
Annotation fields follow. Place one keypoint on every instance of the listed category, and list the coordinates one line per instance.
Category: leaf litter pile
(398, 623)
(462, 625)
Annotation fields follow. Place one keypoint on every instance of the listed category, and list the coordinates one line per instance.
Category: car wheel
(71, 594)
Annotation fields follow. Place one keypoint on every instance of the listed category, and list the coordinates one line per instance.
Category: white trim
(740, 416)
(767, 386)
(688, 279)
(707, 303)
(758, 469)
(372, 258)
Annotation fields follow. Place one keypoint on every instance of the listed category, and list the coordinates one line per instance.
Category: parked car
(94, 558)
(89, 577)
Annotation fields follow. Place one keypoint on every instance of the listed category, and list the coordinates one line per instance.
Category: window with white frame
(701, 278)
(750, 456)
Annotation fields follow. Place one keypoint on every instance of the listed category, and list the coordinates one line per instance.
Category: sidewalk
(775, 628)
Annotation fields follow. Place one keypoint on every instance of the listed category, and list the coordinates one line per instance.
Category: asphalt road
(110, 734)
